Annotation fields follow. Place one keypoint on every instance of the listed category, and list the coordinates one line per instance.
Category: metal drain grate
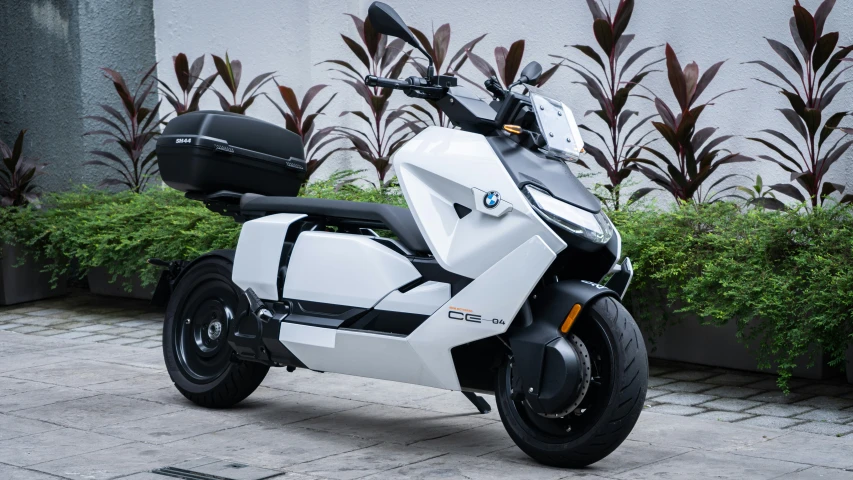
(187, 474)
(235, 471)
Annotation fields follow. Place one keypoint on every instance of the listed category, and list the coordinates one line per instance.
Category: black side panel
(526, 168)
(477, 362)
(324, 315)
(381, 321)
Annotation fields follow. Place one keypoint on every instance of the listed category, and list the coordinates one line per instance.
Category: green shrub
(342, 186)
(784, 277)
(120, 231)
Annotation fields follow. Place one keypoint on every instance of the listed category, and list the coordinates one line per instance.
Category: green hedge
(120, 231)
(792, 271)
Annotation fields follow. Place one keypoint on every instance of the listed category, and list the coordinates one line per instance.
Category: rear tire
(610, 408)
(195, 333)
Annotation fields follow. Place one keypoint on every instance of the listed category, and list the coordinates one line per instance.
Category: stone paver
(722, 416)
(767, 421)
(685, 398)
(102, 406)
(824, 428)
(828, 403)
(671, 409)
(732, 392)
(779, 410)
(833, 416)
(730, 404)
(685, 387)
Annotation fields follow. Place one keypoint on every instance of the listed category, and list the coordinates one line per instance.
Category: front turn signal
(513, 129)
(570, 318)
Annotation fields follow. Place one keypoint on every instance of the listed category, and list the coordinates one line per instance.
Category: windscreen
(557, 125)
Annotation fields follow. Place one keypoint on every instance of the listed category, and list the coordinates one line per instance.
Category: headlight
(595, 227)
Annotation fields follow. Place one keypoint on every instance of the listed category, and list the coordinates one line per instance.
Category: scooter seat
(399, 220)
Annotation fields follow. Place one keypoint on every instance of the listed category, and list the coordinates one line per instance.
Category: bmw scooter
(491, 281)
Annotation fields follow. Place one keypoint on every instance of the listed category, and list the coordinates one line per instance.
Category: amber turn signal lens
(513, 129)
(570, 318)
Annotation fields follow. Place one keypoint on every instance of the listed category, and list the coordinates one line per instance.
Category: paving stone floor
(84, 395)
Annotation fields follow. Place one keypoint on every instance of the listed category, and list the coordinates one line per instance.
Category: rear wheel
(611, 404)
(195, 338)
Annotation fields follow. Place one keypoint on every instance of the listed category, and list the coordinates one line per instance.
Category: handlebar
(414, 87)
(374, 81)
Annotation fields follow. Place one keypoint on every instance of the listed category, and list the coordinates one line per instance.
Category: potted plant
(134, 165)
(21, 275)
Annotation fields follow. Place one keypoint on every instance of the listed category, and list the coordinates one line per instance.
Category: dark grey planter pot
(25, 283)
(690, 341)
(99, 284)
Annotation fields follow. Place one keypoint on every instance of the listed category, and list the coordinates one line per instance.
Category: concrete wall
(50, 76)
(292, 36)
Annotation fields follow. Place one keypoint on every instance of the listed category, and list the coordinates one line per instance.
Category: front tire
(611, 406)
(195, 338)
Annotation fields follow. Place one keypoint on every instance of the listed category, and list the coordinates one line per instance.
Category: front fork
(551, 371)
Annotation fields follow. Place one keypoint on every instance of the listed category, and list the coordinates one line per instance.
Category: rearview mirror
(387, 22)
(531, 73)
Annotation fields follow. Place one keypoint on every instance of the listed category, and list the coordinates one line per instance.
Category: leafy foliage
(611, 89)
(696, 153)
(131, 130)
(230, 72)
(759, 195)
(782, 276)
(508, 63)
(342, 186)
(438, 49)
(119, 231)
(808, 116)
(17, 175)
(299, 121)
(382, 58)
(187, 77)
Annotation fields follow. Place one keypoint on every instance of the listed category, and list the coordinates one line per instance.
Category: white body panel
(344, 269)
(357, 353)
(424, 299)
(424, 357)
(258, 252)
(440, 167)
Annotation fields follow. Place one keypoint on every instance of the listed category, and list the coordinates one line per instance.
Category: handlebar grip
(374, 81)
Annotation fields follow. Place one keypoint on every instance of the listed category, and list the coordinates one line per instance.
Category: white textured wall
(292, 36)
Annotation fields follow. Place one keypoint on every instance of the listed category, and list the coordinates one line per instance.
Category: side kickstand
(478, 401)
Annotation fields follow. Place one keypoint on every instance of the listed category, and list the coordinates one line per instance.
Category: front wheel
(610, 406)
(195, 338)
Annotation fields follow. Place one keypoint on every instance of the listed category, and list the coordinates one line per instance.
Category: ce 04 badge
(465, 315)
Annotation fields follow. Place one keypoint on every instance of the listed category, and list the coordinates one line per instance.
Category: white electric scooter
(489, 284)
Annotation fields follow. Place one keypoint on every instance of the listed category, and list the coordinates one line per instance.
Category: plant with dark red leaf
(810, 92)
(697, 155)
(230, 72)
(17, 175)
(438, 49)
(386, 131)
(299, 121)
(611, 89)
(131, 130)
(508, 63)
(187, 77)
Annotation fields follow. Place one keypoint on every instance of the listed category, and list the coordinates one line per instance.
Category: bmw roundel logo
(492, 199)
